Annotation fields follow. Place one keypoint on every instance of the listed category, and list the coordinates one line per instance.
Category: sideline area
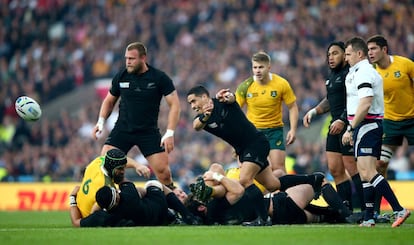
(55, 196)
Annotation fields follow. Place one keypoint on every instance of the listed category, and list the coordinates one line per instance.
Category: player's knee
(337, 172)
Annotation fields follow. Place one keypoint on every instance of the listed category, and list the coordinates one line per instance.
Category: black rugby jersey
(142, 211)
(336, 91)
(228, 122)
(140, 97)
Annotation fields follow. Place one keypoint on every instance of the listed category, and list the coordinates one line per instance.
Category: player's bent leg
(336, 167)
(159, 164)
(277, 162)
(248, 172)
(268, 180)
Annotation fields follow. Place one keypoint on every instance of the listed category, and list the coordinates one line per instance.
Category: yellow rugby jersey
(398, 88)
(234, 173)
(264, 102)
(93, 179)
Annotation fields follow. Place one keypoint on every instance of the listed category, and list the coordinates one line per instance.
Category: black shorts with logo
(256, 152)
(148, 141)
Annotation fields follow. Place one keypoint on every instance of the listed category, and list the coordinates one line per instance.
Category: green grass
(55, 228)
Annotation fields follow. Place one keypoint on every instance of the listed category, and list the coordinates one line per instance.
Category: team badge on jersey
(273, 93)
(397, 74)
(124, 84)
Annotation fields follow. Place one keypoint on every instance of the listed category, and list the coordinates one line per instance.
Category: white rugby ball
(28, 108)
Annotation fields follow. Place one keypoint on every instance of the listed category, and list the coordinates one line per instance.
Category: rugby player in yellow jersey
(263, 94)
(397, 73)
(104, 170)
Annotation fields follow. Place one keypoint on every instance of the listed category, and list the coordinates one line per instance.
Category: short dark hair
(357, 44)
(106, 197)
(198, 91)
(114, 158)
(378, 40)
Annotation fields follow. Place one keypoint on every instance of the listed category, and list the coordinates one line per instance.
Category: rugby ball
(27, 108)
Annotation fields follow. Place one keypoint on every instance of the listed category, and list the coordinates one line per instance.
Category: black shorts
(334, 144)
(148, 141)
(256, 152)
(285, 210)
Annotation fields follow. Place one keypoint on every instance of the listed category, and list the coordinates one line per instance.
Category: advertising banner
(55, 196)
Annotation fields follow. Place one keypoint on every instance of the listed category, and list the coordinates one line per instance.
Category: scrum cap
(114, 158)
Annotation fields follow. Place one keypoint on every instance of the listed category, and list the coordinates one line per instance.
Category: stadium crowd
(50, 47)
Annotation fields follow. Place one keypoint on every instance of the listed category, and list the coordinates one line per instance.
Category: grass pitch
(55, 228)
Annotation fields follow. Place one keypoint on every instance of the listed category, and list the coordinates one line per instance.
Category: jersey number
(85, 187)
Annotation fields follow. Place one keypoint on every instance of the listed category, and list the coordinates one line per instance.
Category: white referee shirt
(362, 81)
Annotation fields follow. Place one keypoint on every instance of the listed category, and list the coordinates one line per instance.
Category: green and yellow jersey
(93, 179)
(264, 102)
(398, 88)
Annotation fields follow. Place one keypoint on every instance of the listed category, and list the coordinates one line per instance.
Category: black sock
(175, 204)
(377, 204)
(356, 179)
(382, 187)
(287, 181)
(334, 200)
(369, 196)
(344, 190)
(256, 197)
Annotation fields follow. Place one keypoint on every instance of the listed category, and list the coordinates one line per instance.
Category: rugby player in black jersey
(223, 117)
(140, 87)
(340, 157)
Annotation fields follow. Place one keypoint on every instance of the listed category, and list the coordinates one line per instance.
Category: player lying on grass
(218, 199)
(105, 170)
(131, 206)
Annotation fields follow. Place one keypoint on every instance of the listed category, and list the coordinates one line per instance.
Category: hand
(168, 140)
(143, 170)
(208, 176)
(97, 130)
(224, 95)
(347, 138)
(336, 127)
(308, 117)
(207, 109)
(290, 137)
